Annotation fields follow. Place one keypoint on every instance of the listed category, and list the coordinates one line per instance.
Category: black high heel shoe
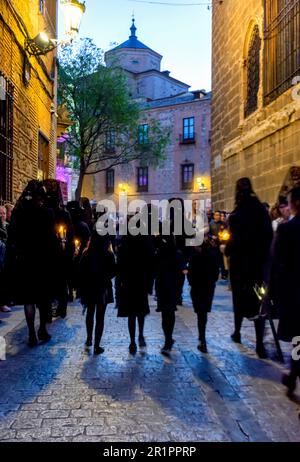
(289, 382)
(202, 347)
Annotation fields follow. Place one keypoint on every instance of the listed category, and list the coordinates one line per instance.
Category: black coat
(32, 251)
(203, 273)
(169, 265)
(96, 269)
(135, 268)
(248, 249)
(285, 278)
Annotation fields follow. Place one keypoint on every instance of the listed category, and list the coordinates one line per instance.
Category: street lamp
(73, 11)
(41, 44)
(201, 185)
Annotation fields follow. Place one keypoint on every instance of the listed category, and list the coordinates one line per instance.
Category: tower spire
(133, 28)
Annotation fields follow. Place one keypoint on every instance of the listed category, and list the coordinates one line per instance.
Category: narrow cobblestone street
(61, 392)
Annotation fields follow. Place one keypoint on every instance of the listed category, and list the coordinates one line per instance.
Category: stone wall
(32, 102)
(263, 146)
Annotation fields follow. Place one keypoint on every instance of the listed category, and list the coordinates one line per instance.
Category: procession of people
(51, 253)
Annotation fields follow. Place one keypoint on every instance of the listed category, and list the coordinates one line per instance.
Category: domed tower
(133, 55)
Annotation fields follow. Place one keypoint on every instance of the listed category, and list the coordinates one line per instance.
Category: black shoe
(167, 348)
(98, 350)
(289, 382)
(43, 335)
(88, 343)
(261, 352)
(236, 337)
(142, 343)
(132, 348)
(202, 347)
(32, 340)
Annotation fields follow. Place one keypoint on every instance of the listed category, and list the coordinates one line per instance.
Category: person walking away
(216, 227)
(169, 265)
(203, 273)
(96, 269)
(30, 259)
(249, 250)
(135, 262)
(284, 288)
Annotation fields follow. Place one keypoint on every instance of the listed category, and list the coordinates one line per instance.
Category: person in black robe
(96, 269)
(249, 251)
(203, 273)
(65, 236)
(82, 236)
(169, 266)
(284, 287)
(31, 254)
(135, 262)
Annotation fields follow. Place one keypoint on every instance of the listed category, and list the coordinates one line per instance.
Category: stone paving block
(227, 395)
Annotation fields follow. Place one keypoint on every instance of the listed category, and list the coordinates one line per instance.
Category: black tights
(30, 311)
(132, 326)
(259, 325)
(90, 315)
(168, 323)
(202, 321)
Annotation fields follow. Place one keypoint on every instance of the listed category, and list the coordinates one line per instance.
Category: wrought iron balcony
(187, 139)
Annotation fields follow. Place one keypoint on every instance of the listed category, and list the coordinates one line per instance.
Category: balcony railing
(190, 139)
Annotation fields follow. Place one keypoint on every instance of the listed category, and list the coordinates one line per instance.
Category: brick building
(27, 96)
(255, 108)
(186, 170)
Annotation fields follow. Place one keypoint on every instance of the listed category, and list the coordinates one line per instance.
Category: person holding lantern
(65, 236)
(248, 248)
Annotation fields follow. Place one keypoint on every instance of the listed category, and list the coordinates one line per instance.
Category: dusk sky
(182, 34)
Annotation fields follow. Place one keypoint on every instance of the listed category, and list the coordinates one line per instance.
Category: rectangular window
(187, 176)
(142, 179)
(282, 46)
(110, 181)
(143, 134)
(110, 141)
(43, 157)
(6, 139)
(189, 128)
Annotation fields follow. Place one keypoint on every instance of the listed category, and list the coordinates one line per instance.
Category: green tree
(105, 127)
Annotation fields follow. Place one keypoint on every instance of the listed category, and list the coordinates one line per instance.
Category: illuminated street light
(41, 44)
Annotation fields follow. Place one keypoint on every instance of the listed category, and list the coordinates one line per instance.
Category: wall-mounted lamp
(201, 185)
(41, 44)
(122, 188)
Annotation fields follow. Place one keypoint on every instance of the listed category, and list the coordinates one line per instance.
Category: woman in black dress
(32, 249)
(203, 273)
(135, 280)
(249, 251)
(96, 269)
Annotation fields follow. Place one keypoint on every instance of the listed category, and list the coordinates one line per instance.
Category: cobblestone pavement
(61, 392)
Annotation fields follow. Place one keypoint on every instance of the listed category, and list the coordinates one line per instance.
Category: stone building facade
(256, 99)
(27, 96)
(185, 172)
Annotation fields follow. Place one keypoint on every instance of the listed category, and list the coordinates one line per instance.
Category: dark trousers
(100, 310)
(259, 325)
(202, 322)
(168, 324)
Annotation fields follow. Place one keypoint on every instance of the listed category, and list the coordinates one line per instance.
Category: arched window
(253, 72)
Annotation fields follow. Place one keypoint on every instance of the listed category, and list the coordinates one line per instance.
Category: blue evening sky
(182, 34)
